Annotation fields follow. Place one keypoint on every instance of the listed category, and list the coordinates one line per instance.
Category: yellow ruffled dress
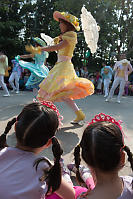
(62, 81)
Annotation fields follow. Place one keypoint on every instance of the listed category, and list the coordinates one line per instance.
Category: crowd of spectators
(94, 77)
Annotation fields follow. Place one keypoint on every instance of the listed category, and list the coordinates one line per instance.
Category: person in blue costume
(38, 70)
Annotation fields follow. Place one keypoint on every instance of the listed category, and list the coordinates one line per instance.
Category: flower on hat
(76, 23)
(63, 13)
(72, 19)
(67, 16)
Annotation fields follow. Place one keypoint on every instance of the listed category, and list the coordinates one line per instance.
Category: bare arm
(66, 190)
(26, 56)
(59, 46)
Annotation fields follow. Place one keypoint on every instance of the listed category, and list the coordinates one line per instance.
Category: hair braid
(55, 171)
(77, 162)
(7, 129)
(130, 155)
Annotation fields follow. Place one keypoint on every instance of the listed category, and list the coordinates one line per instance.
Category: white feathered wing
(90, 29)
(49, 40)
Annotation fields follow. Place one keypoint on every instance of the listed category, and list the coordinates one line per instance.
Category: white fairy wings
(90, 29)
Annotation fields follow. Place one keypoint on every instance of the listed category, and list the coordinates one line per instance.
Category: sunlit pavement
(69, 135)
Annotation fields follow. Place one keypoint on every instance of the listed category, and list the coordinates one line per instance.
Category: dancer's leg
(121, 89)
(106, 86)
(114, 86)
(17, 81)
(71, 104)
(80, 115)
(3, 85)
(11, 81)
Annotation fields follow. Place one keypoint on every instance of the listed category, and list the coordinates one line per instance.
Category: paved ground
(70, 135)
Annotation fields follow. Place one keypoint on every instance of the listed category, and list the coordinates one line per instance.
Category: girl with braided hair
(25, 174)
(103, 150)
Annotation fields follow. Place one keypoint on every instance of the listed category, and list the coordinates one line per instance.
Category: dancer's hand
(56, 40)
(17, 58)
(33, 50)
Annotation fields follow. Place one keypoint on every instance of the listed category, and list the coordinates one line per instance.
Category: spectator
(22, 170)
(104, 150)
(3, 68)
(77, 71)
(99, 85)
(131, 78)
(92, 79)
(126, 88)
(82, 72)
(86, 73)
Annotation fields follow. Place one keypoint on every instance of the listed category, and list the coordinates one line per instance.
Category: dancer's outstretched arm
(59, 46)
(38, 50)
(26, 56)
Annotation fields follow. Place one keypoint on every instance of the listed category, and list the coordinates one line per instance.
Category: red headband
(103, 117)
(54, 108)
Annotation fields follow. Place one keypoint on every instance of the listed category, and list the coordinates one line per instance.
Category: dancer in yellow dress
(62, 83)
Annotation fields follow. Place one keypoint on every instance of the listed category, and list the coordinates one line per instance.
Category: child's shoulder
(128, 179)
(128, 187)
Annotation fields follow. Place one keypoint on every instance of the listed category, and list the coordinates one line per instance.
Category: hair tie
(53, 137)
(121, 149)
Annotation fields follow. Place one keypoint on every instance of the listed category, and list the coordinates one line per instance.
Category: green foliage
(10, 26)
(20, 20)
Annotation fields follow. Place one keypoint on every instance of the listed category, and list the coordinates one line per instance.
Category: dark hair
(35, 125)
(1, 53)
(70, 27)
(101, 145)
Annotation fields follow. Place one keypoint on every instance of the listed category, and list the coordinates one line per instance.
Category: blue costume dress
(38, 70)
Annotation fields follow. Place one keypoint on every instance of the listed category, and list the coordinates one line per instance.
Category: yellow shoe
(80, 117)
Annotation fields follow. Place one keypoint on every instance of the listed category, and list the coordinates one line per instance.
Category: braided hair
(102, 144)
(35, 125)
(7, 129)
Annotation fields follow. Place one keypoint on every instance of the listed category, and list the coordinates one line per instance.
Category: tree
(23, 19)
(10, 26)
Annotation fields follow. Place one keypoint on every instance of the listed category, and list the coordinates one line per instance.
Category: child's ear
(49, 142)
(122, 160)
(15, 126)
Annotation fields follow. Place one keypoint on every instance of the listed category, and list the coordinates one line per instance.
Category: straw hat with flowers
(67, 17)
